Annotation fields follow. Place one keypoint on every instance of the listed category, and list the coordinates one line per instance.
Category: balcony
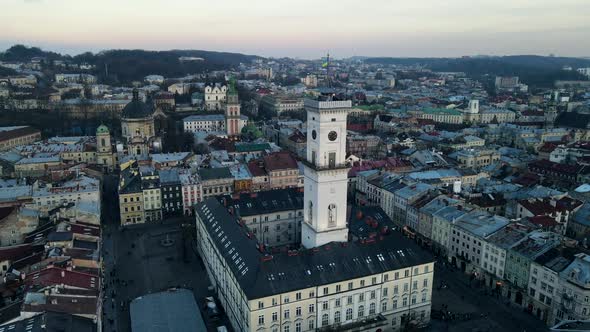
(325, 167)
(361, 325)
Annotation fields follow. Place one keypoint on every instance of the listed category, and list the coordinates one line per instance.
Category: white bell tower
(326, 175)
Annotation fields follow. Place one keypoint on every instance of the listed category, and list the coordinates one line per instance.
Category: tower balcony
(327, 105)
(315, 167)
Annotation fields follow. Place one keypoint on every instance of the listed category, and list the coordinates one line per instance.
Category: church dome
(137, 109)
(102, 129)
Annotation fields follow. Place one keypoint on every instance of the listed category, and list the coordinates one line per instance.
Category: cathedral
(137, 126)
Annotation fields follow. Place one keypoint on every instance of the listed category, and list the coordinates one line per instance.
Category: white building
(214, 97)
(209, 123)
(81, 189)
(154, 79)
(192, 191)
(573, 294)
(330, 283)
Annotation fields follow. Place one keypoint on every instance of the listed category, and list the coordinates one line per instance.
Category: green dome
(102, 129)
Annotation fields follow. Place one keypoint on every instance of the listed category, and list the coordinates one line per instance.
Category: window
(395, 290)
(275, 316)
(396, 275)
(286, 314)
(405, 301)
(349, 314)
(312, 294)
(425, 283)
(325, 290)
(374, 280)
(414, 299)
(298, 296)
(337, 302)
(415, 284)
(383, 306)
(286, 328)
(361, 311)
(349, 300)
(362, 283)
(338, 288)
(372, 309)
(361, 297)
(311, 324)
(261, 320)
(337, 317)
(325, 305)
(372, 295)
(311, 308)
(384, 292)
(325, 319)
(349, 285)
(260, 305)
(394, 304)
(298, 327)
(298, 311)
(406, 287)
(424, 297)
(406, 273)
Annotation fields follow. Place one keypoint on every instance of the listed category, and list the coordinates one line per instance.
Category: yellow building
(130, 197)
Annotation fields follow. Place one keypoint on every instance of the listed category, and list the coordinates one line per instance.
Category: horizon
(4, 49)
(306, 30)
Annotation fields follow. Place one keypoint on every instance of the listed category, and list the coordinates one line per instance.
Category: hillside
(537, 71)
(125, 66)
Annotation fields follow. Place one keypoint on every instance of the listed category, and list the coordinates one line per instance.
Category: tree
(251, 132)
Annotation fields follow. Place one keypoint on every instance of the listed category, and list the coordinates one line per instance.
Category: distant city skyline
(302, 29)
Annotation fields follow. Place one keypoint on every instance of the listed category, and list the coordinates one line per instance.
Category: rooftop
(262, 275)
(170, 311)
(264, 202)
(537, 243)
(481, 223)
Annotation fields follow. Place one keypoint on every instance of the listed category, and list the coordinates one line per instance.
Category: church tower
(326, 175)
(104, 151)
(233, 125)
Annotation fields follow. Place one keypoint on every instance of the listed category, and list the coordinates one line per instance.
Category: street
(488, 313)
(145, 258)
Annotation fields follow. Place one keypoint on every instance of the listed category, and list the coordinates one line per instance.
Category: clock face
(313, 134)
(332, 136)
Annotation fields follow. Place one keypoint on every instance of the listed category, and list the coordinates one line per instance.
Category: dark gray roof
(137, 109)
(264, 202)
(171, 311)
(59, 236)
(51, 322)
(215, 173)
(260, 276)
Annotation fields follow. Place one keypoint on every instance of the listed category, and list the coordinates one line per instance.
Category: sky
(303, 28)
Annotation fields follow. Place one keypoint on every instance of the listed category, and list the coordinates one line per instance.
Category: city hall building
(382, 281)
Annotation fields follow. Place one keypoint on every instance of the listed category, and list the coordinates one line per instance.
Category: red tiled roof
(56, 276)
(543, 221)
(279, 161)
(256, 168)
(15, 252)
(548, 147)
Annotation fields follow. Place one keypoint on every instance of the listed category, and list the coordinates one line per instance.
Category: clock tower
(326, 175)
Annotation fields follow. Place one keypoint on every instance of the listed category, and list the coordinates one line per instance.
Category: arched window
(337, 317)
(349, 314)
(332, 215)
(372, 309)
(361, 311)
(325, 320)
(102, 142)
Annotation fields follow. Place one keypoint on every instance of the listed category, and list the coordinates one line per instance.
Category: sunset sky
(303, 28)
